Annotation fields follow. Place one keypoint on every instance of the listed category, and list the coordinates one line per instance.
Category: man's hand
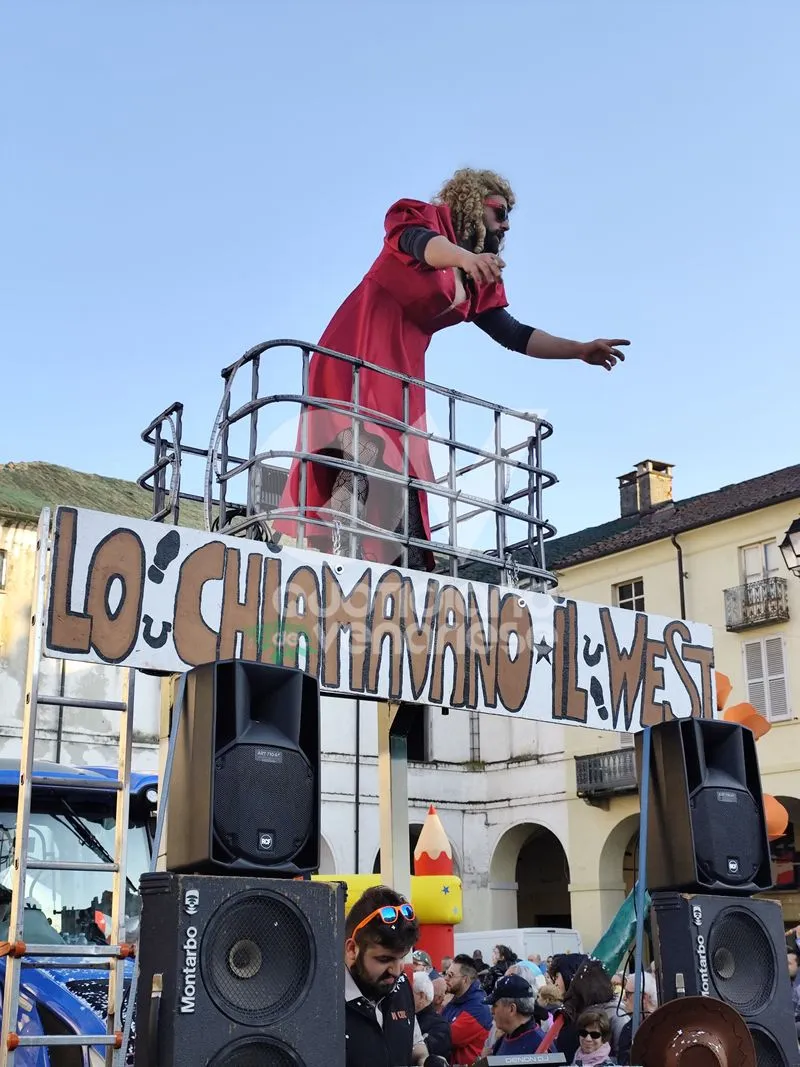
(603, 352)
(482, 267)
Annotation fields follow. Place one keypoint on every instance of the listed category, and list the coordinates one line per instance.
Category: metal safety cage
(234, 501)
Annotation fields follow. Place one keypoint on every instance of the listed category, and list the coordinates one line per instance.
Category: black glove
(435, 1061)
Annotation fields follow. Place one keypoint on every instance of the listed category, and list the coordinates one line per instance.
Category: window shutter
(754, 674)
(777, 689)
(765, 672)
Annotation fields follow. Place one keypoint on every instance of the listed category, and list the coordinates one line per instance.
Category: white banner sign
(140, 594)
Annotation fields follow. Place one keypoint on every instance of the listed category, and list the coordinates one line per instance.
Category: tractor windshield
(72, 907)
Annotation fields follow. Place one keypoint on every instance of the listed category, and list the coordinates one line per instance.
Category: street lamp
(790, 548)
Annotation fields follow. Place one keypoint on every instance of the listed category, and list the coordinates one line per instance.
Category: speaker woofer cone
(245, 959)
(256, 1052)
(768, 1052)
(742, 961)
(257, 958)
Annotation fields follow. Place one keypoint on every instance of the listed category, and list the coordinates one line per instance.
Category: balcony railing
(606, 774)
(756, 603)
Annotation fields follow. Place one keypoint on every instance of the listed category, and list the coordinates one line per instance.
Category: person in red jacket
(440, 265)
(468, 1013)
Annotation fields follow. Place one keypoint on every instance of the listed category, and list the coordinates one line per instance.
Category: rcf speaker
(734, 950)
(240, 972)
(707, 830)
(245, 791)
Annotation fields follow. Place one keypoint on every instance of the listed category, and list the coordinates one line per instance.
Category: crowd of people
(467, 1009)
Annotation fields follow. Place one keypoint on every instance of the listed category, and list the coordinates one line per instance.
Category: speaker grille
(263, 790)
(256, 1052)
(768, 1053)
(726, 833)
(257, 958)
(741, 958)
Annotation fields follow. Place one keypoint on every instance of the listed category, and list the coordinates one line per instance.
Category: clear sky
(183, 179)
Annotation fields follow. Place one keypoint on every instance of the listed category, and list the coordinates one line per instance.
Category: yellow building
(712, 558)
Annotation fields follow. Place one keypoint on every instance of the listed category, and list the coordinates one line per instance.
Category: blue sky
(185, 179)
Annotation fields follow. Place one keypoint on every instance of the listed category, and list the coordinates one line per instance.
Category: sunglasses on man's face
(389, 915)
(595, 1035)
(500, 210)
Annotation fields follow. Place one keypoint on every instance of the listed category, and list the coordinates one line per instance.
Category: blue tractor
(71, 907)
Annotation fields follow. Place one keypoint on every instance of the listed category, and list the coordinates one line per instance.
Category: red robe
(388, 320)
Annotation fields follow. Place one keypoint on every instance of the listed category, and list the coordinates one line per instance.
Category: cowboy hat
(699, 1031)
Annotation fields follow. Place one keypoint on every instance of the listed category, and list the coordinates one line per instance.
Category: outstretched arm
(437, 252)
(603, 352)
(517, 337)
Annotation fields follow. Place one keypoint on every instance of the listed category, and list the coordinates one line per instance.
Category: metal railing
(756, 603)
(241, 493)
(606, 773)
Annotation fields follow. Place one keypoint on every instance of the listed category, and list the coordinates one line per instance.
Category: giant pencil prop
(435, 890)
(433, 858)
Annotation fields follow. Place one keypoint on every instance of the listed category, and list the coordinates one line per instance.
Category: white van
(541, 941)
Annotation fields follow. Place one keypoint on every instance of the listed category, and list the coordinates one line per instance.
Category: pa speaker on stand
(244, 794)
(706, 827)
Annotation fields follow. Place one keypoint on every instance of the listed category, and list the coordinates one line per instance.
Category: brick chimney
(645, 488)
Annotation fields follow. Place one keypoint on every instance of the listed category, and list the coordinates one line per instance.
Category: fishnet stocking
(346, 482)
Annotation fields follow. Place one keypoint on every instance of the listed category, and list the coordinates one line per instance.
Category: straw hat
(694, 1032)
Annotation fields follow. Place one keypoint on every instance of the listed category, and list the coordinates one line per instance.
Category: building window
(3, 567)
(418, 739)
(630, 595)
(759, 561)
(765, 673)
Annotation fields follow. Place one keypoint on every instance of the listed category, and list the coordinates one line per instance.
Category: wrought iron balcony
(606, 774)
(756, 603)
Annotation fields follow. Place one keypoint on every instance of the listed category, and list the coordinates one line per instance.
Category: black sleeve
(414, 240)
(505, 329)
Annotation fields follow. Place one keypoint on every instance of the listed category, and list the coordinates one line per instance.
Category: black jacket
(436, 1031)
(370, 1046)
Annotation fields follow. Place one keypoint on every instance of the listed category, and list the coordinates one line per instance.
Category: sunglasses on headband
(389, 915)
(595, 1035)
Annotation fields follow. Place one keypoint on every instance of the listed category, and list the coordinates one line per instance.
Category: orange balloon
(777, 817)
(747, 715)
(724, 687)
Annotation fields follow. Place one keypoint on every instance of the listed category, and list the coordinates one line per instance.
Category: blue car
(71, 907)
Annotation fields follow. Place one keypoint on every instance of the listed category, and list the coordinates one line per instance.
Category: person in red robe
(440, 265)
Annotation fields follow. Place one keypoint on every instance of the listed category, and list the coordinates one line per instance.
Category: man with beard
(382, 1029)
(440, 265)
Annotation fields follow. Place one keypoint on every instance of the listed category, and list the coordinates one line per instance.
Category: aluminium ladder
(18, 953)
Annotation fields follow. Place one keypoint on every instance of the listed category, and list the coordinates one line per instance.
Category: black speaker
(245, 789)
(707, 830)
(240, 972)
(732, 949)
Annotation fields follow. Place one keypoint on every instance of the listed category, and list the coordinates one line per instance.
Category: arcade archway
(619, 857)
(529, 878)
(327, 862)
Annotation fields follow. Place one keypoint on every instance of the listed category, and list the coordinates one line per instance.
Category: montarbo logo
(702, 957)
(189, 971)
(191, 899)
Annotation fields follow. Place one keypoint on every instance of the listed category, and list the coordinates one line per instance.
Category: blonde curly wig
(464, 194)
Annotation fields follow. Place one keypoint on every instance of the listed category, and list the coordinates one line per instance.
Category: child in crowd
(548, 999)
